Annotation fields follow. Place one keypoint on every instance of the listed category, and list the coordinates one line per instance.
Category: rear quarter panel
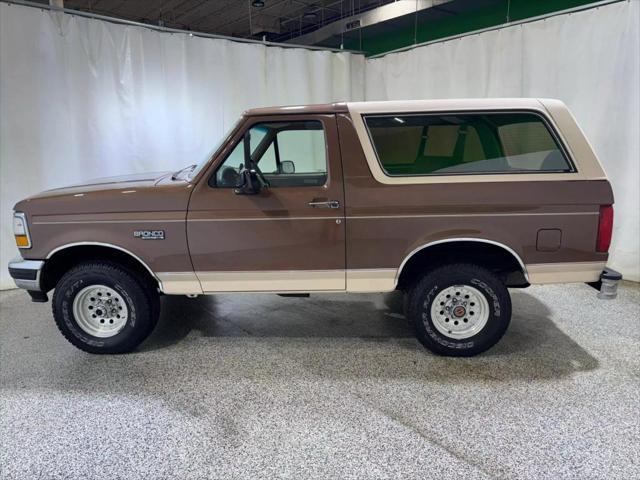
(385, 223)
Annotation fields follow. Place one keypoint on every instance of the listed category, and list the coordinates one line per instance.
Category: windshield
(191, 172)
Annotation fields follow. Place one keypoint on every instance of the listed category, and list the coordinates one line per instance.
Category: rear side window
(475, 143)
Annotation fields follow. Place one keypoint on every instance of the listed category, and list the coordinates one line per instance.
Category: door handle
(324, 204)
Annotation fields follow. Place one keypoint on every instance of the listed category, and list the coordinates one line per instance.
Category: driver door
(289, 237)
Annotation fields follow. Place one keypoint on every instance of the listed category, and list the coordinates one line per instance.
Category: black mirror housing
(249, 183)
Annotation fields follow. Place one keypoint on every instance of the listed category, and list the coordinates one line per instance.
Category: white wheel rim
(100, 311)
(459, 311)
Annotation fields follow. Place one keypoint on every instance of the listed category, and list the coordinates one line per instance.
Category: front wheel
(459, 310)
(102, 307)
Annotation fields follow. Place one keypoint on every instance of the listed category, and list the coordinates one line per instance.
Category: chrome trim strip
(464, 239)
(20, 264)
(357, 217)
(438, 215)
(260, 219)
(107, 221)
(268, 291)
(110, 245)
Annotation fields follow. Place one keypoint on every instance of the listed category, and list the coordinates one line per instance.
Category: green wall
(459, 23)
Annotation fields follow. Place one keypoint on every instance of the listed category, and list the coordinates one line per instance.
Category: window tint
(288, 154)
(465, 144)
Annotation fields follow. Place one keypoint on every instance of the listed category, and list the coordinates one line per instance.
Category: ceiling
(368, 26)
(276, 21)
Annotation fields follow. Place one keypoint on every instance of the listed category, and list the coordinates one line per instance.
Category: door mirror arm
(251, 179)
(249, 183)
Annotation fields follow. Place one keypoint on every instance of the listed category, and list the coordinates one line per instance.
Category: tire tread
(111, 270)
(439, 274)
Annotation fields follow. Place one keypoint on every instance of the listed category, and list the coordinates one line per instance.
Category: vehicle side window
(436, 144)
(289, 154)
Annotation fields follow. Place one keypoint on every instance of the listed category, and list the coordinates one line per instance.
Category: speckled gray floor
(258, 386)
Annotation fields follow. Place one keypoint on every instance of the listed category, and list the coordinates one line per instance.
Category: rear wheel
(459, 310)
(101, 307)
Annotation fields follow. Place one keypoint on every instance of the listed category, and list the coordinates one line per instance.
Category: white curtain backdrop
(83, 98)
(587, 59)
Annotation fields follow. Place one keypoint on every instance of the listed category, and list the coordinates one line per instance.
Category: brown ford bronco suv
(449, 201)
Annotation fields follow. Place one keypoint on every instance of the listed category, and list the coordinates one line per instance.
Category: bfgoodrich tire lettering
(474, 281)
(141, 304)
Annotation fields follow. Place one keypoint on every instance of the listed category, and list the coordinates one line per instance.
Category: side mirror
(287, 167)
(249, 183)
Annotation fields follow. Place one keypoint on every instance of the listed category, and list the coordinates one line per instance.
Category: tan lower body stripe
(352, 280)
(540, 273)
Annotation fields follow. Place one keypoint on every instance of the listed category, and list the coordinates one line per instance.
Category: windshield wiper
(176, 175)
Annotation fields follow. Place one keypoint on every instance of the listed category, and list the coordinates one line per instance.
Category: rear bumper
(26, 273)
(607, 285)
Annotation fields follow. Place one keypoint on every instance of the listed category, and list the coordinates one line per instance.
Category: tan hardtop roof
(444, 104)
(292, 109)
(402, 106)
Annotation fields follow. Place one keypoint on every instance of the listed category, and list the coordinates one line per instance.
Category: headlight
(21, 230)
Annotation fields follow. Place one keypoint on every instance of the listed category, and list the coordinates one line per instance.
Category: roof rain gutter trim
(158, 28)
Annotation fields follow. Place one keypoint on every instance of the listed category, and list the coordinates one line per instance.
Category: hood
(142, 192)
(132, 177)
(120, 181)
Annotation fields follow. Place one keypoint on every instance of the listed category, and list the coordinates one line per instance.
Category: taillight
(605, 228)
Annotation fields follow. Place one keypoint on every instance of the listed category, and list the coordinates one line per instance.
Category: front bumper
(607, 286)
(26, 273)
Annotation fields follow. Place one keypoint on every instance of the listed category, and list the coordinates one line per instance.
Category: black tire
(425, 291)
(141, 300)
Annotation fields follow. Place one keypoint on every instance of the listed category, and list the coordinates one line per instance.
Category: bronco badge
(149, 234)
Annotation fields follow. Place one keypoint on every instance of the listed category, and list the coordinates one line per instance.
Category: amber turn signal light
(21, 230)
(22, 240)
